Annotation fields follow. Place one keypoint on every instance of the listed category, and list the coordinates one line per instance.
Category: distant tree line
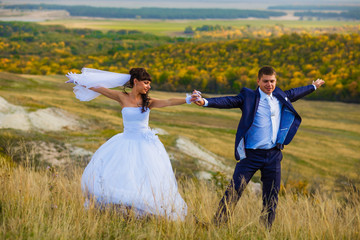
(347, 12)
(150, 13)
(350, 14)
(214, 66)
(312, 7)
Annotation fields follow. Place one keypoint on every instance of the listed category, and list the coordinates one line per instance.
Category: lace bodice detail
(134, 120)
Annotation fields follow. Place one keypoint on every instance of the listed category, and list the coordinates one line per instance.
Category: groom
(268, 122)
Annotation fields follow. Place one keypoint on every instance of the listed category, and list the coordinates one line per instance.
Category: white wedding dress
(133, 169)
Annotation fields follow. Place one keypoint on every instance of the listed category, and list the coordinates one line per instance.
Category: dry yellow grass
(48, 204)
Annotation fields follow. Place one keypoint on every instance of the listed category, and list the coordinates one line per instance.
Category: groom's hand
(200, 102)
(318, 82)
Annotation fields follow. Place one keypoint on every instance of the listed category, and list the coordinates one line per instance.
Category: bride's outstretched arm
(113, 94)
(158, 103)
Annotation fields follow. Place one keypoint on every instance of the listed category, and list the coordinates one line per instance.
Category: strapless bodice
(134, 120)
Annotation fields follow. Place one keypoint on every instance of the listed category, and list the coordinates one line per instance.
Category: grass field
(45, 203)
(173, 27)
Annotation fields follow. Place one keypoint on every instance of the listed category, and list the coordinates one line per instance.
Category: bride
(132, 168)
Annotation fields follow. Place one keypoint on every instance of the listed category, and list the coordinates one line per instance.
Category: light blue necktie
(269, 99)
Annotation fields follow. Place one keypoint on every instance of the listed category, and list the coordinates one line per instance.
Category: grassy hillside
(323, 153)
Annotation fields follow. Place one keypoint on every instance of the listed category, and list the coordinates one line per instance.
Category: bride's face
(143, 86)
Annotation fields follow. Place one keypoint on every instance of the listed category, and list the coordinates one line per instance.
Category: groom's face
(267, 83)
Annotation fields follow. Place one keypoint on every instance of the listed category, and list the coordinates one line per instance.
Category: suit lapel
(280, 95)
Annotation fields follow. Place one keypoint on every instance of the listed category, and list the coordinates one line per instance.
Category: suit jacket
(248, 102)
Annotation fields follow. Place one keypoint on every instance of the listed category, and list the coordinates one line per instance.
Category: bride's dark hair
(140, 74)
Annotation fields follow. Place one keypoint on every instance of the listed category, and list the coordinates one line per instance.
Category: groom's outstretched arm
(295, 94)
(219, 102)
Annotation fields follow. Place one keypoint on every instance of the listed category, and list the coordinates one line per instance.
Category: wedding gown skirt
(133, 169)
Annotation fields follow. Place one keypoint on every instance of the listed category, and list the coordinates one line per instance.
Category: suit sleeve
(226, 102)
(295, 94)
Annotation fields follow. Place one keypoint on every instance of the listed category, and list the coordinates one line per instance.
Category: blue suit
(265, 160)
(248, 101)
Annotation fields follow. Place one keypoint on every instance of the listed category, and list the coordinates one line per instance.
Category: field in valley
(177, 27)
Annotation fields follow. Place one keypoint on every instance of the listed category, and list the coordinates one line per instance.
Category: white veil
(90, 77)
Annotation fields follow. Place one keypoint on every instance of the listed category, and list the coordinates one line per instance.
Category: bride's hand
(197, 98)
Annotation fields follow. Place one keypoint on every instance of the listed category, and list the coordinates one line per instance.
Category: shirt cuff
(314, 86)
(205, 103)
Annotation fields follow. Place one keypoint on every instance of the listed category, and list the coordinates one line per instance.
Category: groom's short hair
(266, 70)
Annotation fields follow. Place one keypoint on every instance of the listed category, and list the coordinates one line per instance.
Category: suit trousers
(269, 163)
